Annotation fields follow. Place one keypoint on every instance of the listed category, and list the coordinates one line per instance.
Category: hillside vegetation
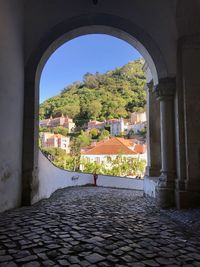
(113, 94)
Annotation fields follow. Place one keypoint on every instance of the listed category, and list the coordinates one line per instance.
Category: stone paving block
(31, 264)
(94, 258)
(85, 263)
(5, 258)
(112, 258)
(8, 264)
(63, 263)
(151, 263)
(27, 258)
(74, 259)
(42, 256)
(87, 226)
(2, 252)
(22, 254)
(138, 264)
(48, 263)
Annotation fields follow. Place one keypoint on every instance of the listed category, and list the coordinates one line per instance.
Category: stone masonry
(88, 226)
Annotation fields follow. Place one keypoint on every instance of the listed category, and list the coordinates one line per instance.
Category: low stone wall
(52, 178)
(120, 182)
(150, 184)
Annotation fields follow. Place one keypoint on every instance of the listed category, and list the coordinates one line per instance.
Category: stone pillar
(188, 182)
(165, 189)
(153, 133)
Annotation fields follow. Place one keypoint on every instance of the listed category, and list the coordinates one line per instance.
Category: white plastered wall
(52, 178)
(11, 102)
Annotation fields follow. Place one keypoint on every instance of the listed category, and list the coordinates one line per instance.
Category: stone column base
(187, 199)
(165, 197)
(150, 184)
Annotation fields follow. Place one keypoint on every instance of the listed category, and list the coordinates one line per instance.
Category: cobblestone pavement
(87, 226)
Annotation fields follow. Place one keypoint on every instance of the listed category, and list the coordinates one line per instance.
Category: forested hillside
(100, 96)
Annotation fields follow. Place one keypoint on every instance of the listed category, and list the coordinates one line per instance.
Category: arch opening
(85, 125)
(41, 60)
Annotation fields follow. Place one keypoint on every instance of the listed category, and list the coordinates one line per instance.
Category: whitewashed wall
(11, 102)
(52, 178)
(120, 182)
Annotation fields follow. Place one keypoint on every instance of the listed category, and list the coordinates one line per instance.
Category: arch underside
(100, 24)
(99, 29)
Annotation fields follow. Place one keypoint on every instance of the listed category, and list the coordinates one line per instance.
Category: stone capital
(166, 179)
(150, 86)
(165, 90)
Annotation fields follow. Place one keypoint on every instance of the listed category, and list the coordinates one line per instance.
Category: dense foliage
(55, 130)
(100, 96)
(120, 166)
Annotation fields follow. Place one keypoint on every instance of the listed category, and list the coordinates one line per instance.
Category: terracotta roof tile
(112, 146)
(140, 149)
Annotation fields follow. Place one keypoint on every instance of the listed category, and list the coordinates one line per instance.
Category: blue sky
(88, 53)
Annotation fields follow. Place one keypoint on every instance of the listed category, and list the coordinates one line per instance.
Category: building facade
(137, 127)
(95, 125)
(102, 151)
(62, 121)
(55, 140)
(116, 126)
(138, 117)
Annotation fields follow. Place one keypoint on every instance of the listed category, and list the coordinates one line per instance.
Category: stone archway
(63, 32)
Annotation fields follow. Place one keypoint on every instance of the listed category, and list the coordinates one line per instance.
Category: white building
(55, 140)
(116, 126)
(138, 117)
(137, 127)
(112, 148)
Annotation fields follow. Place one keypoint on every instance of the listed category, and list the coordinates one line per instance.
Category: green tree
(104, 134)
(94, 109)
(143, 132)
(60, 130)
(90, 80)
(91, 167)
(119, 166)
(84, 139)
(71, 110)
(44, 129)
(75, 152)
(55, 152)
(94, 133)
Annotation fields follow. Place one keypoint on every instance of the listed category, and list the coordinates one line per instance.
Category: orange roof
(127, 142)
(112, 146)
(139, 149)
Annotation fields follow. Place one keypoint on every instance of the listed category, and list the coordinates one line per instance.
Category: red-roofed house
(112, 148)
